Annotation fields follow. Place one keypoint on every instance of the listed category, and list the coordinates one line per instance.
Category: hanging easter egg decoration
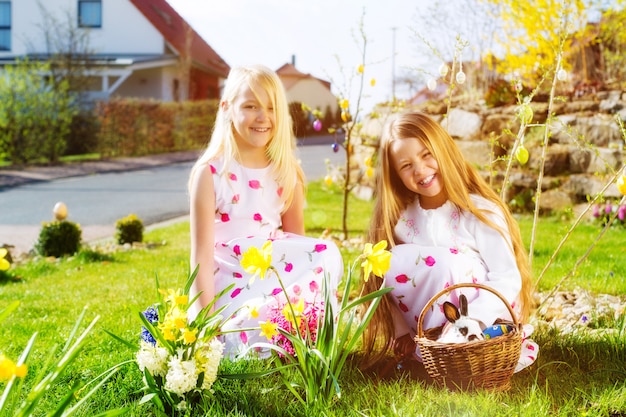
(335, 147)
(521, 154)
(432, 84)
(621, 184)
(460, 77)
(373, 82)
(317, 125)
(443, 69)
(561, 75)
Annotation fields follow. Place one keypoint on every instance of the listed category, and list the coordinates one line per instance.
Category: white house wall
(125, 29)
(146, 84)
(312, 93)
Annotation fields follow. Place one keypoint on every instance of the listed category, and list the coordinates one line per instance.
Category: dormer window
(90, 13)
(5, 25)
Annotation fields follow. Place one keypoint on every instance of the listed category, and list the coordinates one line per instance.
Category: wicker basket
(486, 364)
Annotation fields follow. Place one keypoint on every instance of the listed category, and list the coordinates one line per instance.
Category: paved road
(155, 194)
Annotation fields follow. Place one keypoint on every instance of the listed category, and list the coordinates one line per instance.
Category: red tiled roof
(173, 28)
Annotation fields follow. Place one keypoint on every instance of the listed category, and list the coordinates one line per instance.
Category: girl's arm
(293, 218)
(201, 223)
(502, 272)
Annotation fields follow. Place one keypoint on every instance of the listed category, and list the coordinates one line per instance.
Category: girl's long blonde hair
(279, 150)
(460, 179)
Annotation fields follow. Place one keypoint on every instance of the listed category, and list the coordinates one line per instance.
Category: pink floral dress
(446, 246)
(247, 214)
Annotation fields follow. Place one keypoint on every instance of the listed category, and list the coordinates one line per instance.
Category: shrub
(500, 93)
(129, 229)
(59, 238)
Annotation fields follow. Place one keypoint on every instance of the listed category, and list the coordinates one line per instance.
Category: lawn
(580, 373)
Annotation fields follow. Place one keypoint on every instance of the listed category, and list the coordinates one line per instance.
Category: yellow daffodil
(254, 311)
(328, 180)
(168, 333)
(4, 263)
(268, 329)
(189, 335)
(257, 262)
(369, 172)
(621, 184)
(376, 259)
(345, 116)
(8, 369)
(297, 310)
(174, 297)
(361, 69)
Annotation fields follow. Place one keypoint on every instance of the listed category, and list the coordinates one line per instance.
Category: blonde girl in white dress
(445, 225)
(248, 188)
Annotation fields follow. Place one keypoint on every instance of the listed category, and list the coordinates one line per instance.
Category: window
(5, 25)
(89, 13)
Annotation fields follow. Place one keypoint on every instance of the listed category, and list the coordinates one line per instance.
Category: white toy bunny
(460, 328)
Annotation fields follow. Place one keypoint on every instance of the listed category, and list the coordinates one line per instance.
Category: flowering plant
(605, 213)
(318, 350)
(179, 358)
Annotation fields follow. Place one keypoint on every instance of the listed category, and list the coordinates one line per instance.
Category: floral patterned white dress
(247, 214)
(446, 246)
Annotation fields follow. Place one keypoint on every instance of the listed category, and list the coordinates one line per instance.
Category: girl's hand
(404, 346)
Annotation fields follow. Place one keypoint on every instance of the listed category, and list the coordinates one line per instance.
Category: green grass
(575, 375)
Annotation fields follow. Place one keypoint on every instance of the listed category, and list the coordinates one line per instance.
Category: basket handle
(420, 332)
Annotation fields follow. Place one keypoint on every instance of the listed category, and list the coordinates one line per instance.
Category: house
(306, 89)
(130, 48)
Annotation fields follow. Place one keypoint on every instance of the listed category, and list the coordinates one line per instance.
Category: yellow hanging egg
(344, 104)
(360, 69)
(621, 184)
(328, 180)
(521, 155)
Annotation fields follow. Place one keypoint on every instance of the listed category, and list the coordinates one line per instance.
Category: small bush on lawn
(59, 238)
(129, 229)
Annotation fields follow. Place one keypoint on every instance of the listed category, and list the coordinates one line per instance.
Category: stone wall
(585, 146)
